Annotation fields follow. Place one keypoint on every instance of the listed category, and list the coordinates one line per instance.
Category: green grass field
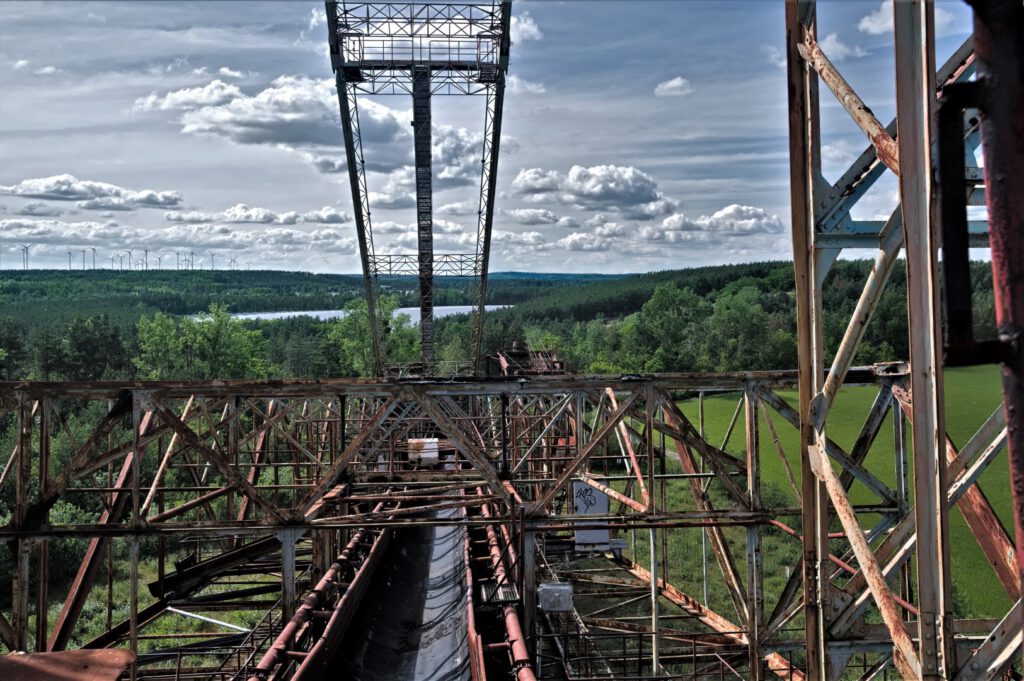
(972, 394)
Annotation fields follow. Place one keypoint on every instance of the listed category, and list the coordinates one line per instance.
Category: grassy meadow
(972, 394)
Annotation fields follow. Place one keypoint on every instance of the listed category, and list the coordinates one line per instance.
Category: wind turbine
(129, 252)
(159, 261)
(112, 261)
(177, 260)
(69, 258)
(120, 261)
(94, 258)
(213, 261)
(191, 260)
(146, 261)
(24, 255)
(83, 258)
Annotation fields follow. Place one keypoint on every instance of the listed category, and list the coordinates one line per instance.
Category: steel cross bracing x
(906, 565)
(421, 49)
(252, 493)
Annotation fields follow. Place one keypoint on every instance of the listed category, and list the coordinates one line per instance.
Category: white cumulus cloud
(619, 189)
(468, 207)
(213, 93)
(241, 213)
(584, 241)
(524, 28)
(531, 216)
(317, 17)
(675, 87)
(38, 209)
(880, 20)
(774, 56)
(734, 220)
(90, 194)
(836, 50)
(521, 86)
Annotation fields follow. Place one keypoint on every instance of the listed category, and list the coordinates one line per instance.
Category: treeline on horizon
(44, 297)
(104, 325)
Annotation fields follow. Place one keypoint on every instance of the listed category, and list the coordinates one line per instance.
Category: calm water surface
(324, 315)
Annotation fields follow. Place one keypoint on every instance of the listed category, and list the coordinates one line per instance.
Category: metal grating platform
(499, 594)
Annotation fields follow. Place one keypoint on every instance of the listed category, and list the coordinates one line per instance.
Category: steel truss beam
(340, 442)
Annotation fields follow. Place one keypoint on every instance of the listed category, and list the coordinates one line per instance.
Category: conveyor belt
(412, 625)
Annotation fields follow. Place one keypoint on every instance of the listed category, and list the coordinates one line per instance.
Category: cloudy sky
(638, 135)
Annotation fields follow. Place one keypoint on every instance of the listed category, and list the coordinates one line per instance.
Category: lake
(324, 315)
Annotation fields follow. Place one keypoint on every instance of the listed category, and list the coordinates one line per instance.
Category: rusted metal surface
(315, 664)
(342, 459)
(913, 539)
(915, 102)
(776, 663)
(999, 41)
(522, 666)
(314, 600)
(68, 665)
(804, 163)
(980, 517)
(885, 145)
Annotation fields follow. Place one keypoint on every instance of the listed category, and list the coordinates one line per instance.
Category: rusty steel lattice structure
(257, 494)
(928, 645)
(421, 49)
(237, 527)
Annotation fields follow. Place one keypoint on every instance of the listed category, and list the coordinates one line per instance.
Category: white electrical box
(423, 451)
(555, 596)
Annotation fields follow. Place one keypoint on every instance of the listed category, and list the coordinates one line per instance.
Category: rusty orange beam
(988, 531)
(778, 664)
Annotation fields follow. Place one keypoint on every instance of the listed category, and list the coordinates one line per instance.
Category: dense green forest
(96, 324)
(41, 297)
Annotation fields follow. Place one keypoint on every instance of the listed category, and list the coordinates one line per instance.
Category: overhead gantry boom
(421, 49)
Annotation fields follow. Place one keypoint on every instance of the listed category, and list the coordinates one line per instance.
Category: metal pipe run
(522, 667)
(476, 651)
(278, 652)
(316, 662)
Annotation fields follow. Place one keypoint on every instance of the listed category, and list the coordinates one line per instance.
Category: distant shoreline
(327, 315)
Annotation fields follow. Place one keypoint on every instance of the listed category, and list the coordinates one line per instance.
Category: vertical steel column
(805, 163)
(902, 477)
(136, 521)
(232, 407)
(651, 403)
(489, 182)
(755, 592)
(357, 181)
(703, 535)
(999, 54)
(529, 563)
(360, 209)
(424, 210)
(42, 550)
(287, 538)
(915, 100)
(20, 578)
